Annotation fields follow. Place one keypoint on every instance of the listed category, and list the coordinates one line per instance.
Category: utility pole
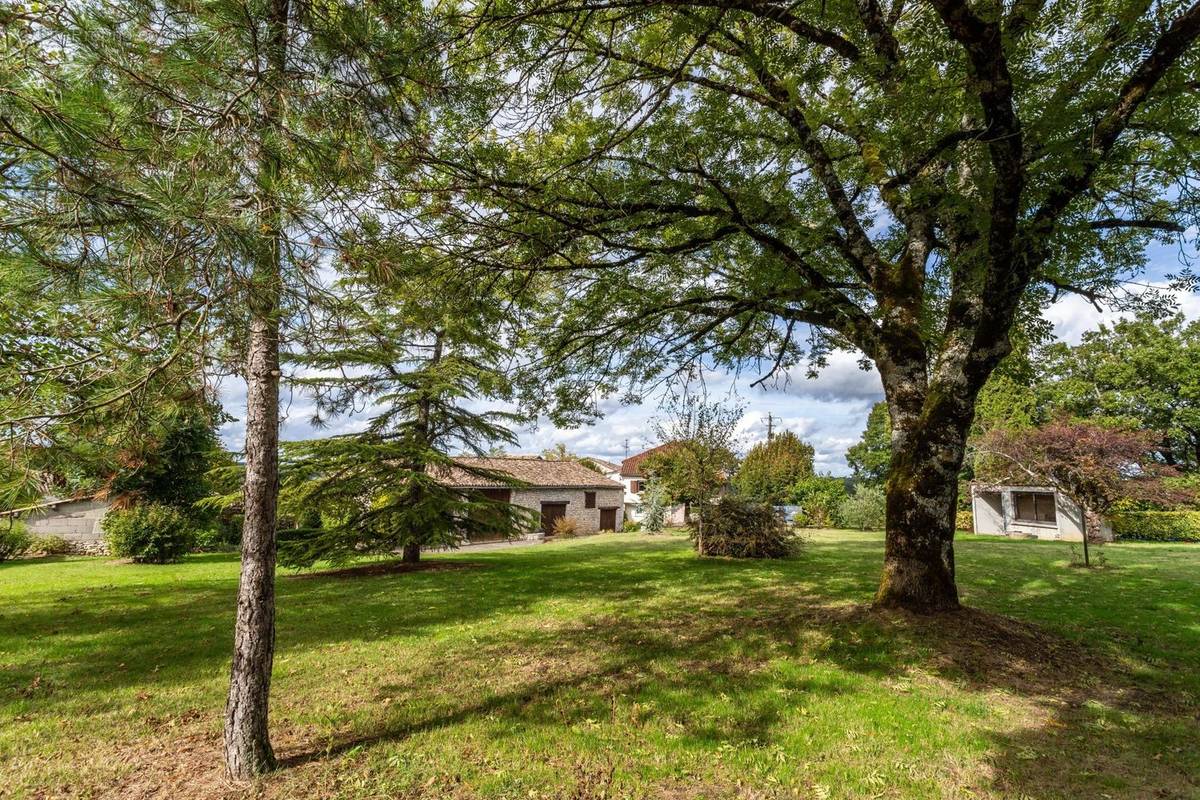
(627, 447)
(770, 426)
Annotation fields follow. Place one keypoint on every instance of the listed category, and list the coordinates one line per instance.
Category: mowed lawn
(617, 666)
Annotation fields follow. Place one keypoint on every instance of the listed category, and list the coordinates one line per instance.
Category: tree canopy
(697, 182)
(771, 468)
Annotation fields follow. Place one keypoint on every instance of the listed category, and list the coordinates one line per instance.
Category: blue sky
(829, 411)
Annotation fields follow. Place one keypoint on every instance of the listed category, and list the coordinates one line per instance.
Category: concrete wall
(588, 518)
(994, 512)
(988, 512)
(77, 521)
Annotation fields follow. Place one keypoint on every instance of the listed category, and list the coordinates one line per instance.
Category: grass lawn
(617, 666)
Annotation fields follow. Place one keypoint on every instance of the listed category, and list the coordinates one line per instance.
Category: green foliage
(872, 455)
(1142, 373)
(51, 545)
(864, 510)
(14, 539)
(1157, 526)
(736, 527)
(173, 468)
(698, 459)
(964, 521)
(221, 534)
(655, 500)
(148, 533)
(426, 364)
(771, 468)
(566, 527)
(631, 526)
(819, 497)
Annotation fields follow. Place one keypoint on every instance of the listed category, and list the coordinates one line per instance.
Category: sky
(829, 411)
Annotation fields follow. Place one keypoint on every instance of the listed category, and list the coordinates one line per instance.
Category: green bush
(51, 546)
(14, 540)
(150, 533)
(631, 526)
(222, 536)
(1158, 526)
(964, 521)
(739, 528)
(865, 510)
(818, 497)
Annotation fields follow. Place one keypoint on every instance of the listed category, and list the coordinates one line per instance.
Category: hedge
(964, 521)
(1158, 526)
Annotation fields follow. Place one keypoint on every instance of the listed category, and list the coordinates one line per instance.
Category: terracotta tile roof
(632, 466)
(531, 470)
(607, 466)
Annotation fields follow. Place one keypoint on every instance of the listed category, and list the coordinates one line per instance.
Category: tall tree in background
(1142, 372)
(871, 456)
(772, 468)
(764, 182)
(182, 169)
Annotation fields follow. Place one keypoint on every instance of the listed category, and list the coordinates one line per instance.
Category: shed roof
(532, 470)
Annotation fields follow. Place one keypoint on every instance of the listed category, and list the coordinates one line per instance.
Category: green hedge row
(1158, 526)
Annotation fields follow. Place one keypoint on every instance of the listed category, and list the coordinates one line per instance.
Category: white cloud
(1073, 316)
(829, 411)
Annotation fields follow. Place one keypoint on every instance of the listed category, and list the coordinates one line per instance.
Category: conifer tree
(421, 364)
(180, 170)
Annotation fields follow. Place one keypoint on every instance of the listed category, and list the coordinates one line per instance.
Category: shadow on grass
(1111, 716)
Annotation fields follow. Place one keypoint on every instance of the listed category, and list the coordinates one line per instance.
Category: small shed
(1038, 511)
(75, 520)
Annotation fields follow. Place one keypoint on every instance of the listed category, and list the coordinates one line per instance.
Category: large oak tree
(740, 181)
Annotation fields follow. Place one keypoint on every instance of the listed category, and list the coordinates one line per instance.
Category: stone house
(553, 489)
(75, 520)
(1038, 511)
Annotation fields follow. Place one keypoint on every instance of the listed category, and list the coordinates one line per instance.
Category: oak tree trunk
(928, 445)
(918, 567)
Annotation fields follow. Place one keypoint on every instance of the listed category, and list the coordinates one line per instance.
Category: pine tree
(182, 171)
(421, 364)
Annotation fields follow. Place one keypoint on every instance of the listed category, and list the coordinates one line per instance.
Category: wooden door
(608, 519)
(551, 512)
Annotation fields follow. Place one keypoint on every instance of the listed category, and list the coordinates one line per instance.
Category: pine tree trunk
(247, 744)
(248, 752)
(411, 553)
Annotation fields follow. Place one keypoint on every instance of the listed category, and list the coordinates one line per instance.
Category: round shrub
(818, 497)
(740, 528)
(865, 510)
(631, 526)
(14, 540)
(964, 521)
(150, 533)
